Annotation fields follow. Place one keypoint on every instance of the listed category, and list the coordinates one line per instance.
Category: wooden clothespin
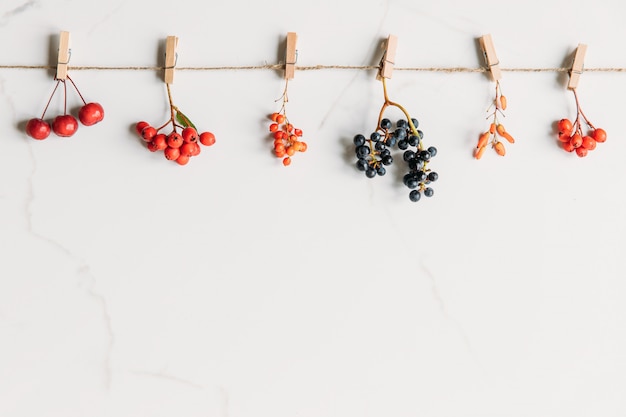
(170, 58)
(63, 58)
(389, 57)
(577, 66)
(291, 55)
(489, 51)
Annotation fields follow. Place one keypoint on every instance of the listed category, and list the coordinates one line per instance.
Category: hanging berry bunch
(179, 147)
(64, 125)
(572, 137)
(496, 130)
(287, 138)
(374, 153)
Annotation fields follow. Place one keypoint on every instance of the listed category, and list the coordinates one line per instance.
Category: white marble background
(236, 287)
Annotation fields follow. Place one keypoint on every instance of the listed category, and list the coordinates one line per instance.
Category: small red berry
(297, 132)
(65, 125)
(207, 138)
(38, 129)
(152, 146)
(174, 140)
(160, 141)
(599, 135)
(182, 159)
(568, 146)
(148, 132)
(582, 152)
(565, 126)
(189, 134)
(287, 161)
(564, 137)
(589, 143)
(196, 149)
(140, 125)
(171, 153)
(90, 114)
(576, 140)
(274, 116)
(273, 127)
(187, 149)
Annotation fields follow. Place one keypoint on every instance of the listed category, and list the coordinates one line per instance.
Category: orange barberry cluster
(571, 135)
(286, 138)
(496, 129)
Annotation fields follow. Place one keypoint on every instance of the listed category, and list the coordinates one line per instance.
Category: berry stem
(64, 97)
(285, 99)
(77, 90)
(391, 103)
(579, 112)
(50, 99)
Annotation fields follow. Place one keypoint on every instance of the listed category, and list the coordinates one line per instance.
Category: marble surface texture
(236, 287)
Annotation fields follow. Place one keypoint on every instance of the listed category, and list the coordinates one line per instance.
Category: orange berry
(482, 141)
(297, 132)
(279, 135)
(287, 161)
(479, 152)
(589, 143)
(565, 126)
(492, 128)
(273, 127)
(499, 147)
(289, 127)
(280, 153)
(503, 102)
(280, 119)
(508, 137)
(576, 140)
(279, 148)
(564, 137)
(303, 146)
(290, 151)
(568, 147)
(182, 159)
(599, 135)
(582, 152)
(274, 116)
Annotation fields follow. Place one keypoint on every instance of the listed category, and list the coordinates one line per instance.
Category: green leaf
(184, 120)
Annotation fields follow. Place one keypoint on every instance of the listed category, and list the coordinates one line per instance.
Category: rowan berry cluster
(374, 153)
(64, 125)
(573, 139)
(496, 129)
(179, 147)
(286, 138)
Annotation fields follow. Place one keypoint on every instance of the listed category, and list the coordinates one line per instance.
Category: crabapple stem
(50, 99)
(77, 90)
(64, 98)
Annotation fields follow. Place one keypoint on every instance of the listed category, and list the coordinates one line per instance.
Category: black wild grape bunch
(374, 153)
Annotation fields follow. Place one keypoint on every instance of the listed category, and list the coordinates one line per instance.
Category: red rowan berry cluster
(572, 137)
(496, 129)
(179, 147)
(286, 138)
(64, 125)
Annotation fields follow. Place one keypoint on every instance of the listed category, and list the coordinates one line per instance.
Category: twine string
(307, 68)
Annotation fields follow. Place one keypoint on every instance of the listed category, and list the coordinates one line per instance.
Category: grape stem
(388, 103)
